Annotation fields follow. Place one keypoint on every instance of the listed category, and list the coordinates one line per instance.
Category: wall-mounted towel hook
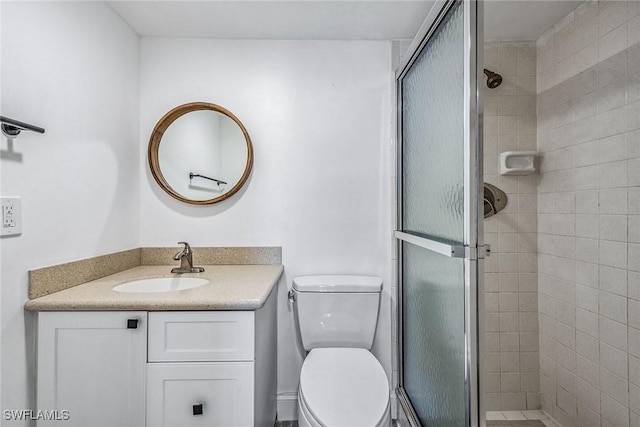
(12, 128)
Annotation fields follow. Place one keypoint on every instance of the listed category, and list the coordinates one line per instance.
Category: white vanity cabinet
(92, 364)
(175, 369)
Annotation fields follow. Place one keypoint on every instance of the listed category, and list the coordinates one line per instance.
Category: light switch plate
(11, 216)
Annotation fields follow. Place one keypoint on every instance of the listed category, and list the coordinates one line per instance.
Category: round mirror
(200, 153)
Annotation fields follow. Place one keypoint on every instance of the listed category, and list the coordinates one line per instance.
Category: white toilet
(341, 383)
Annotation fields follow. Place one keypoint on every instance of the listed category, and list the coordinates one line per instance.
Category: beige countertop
(231, 287)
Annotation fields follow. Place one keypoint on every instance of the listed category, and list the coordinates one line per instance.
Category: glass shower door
(438, 229)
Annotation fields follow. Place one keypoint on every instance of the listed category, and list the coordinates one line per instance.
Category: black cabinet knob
(197, 409)
(132, 323)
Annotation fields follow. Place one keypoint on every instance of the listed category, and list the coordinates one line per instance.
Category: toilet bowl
(343, 387)
(341, 383)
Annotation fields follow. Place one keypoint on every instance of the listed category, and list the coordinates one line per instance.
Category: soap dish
(518, 163)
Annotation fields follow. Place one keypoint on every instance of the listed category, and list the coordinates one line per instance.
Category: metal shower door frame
(474, 250)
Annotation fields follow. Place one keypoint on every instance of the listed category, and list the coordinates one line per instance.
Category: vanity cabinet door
(92, 364)
(200, 394)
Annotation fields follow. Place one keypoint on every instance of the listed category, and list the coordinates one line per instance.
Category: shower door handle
(446, 249)
(452, 251)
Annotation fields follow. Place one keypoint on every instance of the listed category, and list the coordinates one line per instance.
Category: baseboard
(288, 406)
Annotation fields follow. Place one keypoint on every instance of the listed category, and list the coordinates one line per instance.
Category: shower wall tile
(511, 273)
(588, 205)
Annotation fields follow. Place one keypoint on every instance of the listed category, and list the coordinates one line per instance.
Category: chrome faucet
(185, 256)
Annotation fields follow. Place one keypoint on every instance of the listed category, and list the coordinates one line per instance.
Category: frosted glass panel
(433, 336)
(433, 285)
(433, 135)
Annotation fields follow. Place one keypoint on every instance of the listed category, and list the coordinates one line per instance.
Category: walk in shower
(559, 306)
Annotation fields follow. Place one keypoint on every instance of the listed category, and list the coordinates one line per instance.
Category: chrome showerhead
(493, 79)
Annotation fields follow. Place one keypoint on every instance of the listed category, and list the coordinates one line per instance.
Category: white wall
(71, 68)
(319, 117)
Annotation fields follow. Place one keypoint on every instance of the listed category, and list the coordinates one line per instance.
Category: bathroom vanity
(197, 357)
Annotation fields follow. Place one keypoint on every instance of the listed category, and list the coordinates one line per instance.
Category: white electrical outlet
(11, 216)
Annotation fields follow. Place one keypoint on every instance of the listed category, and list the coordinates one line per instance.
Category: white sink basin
(161, 284)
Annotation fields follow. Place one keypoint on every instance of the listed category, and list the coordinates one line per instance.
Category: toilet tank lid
(337, 283)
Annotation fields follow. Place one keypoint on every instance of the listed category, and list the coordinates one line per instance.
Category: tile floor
(521, 416)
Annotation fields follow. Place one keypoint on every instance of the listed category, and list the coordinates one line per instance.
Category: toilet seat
(344, 387)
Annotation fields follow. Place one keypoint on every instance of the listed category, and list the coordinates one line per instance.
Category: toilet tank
(337, 311)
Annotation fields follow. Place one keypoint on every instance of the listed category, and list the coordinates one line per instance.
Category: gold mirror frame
(156, 137)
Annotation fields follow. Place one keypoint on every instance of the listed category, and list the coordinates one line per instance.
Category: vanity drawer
(201, 336)
(200, 394)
